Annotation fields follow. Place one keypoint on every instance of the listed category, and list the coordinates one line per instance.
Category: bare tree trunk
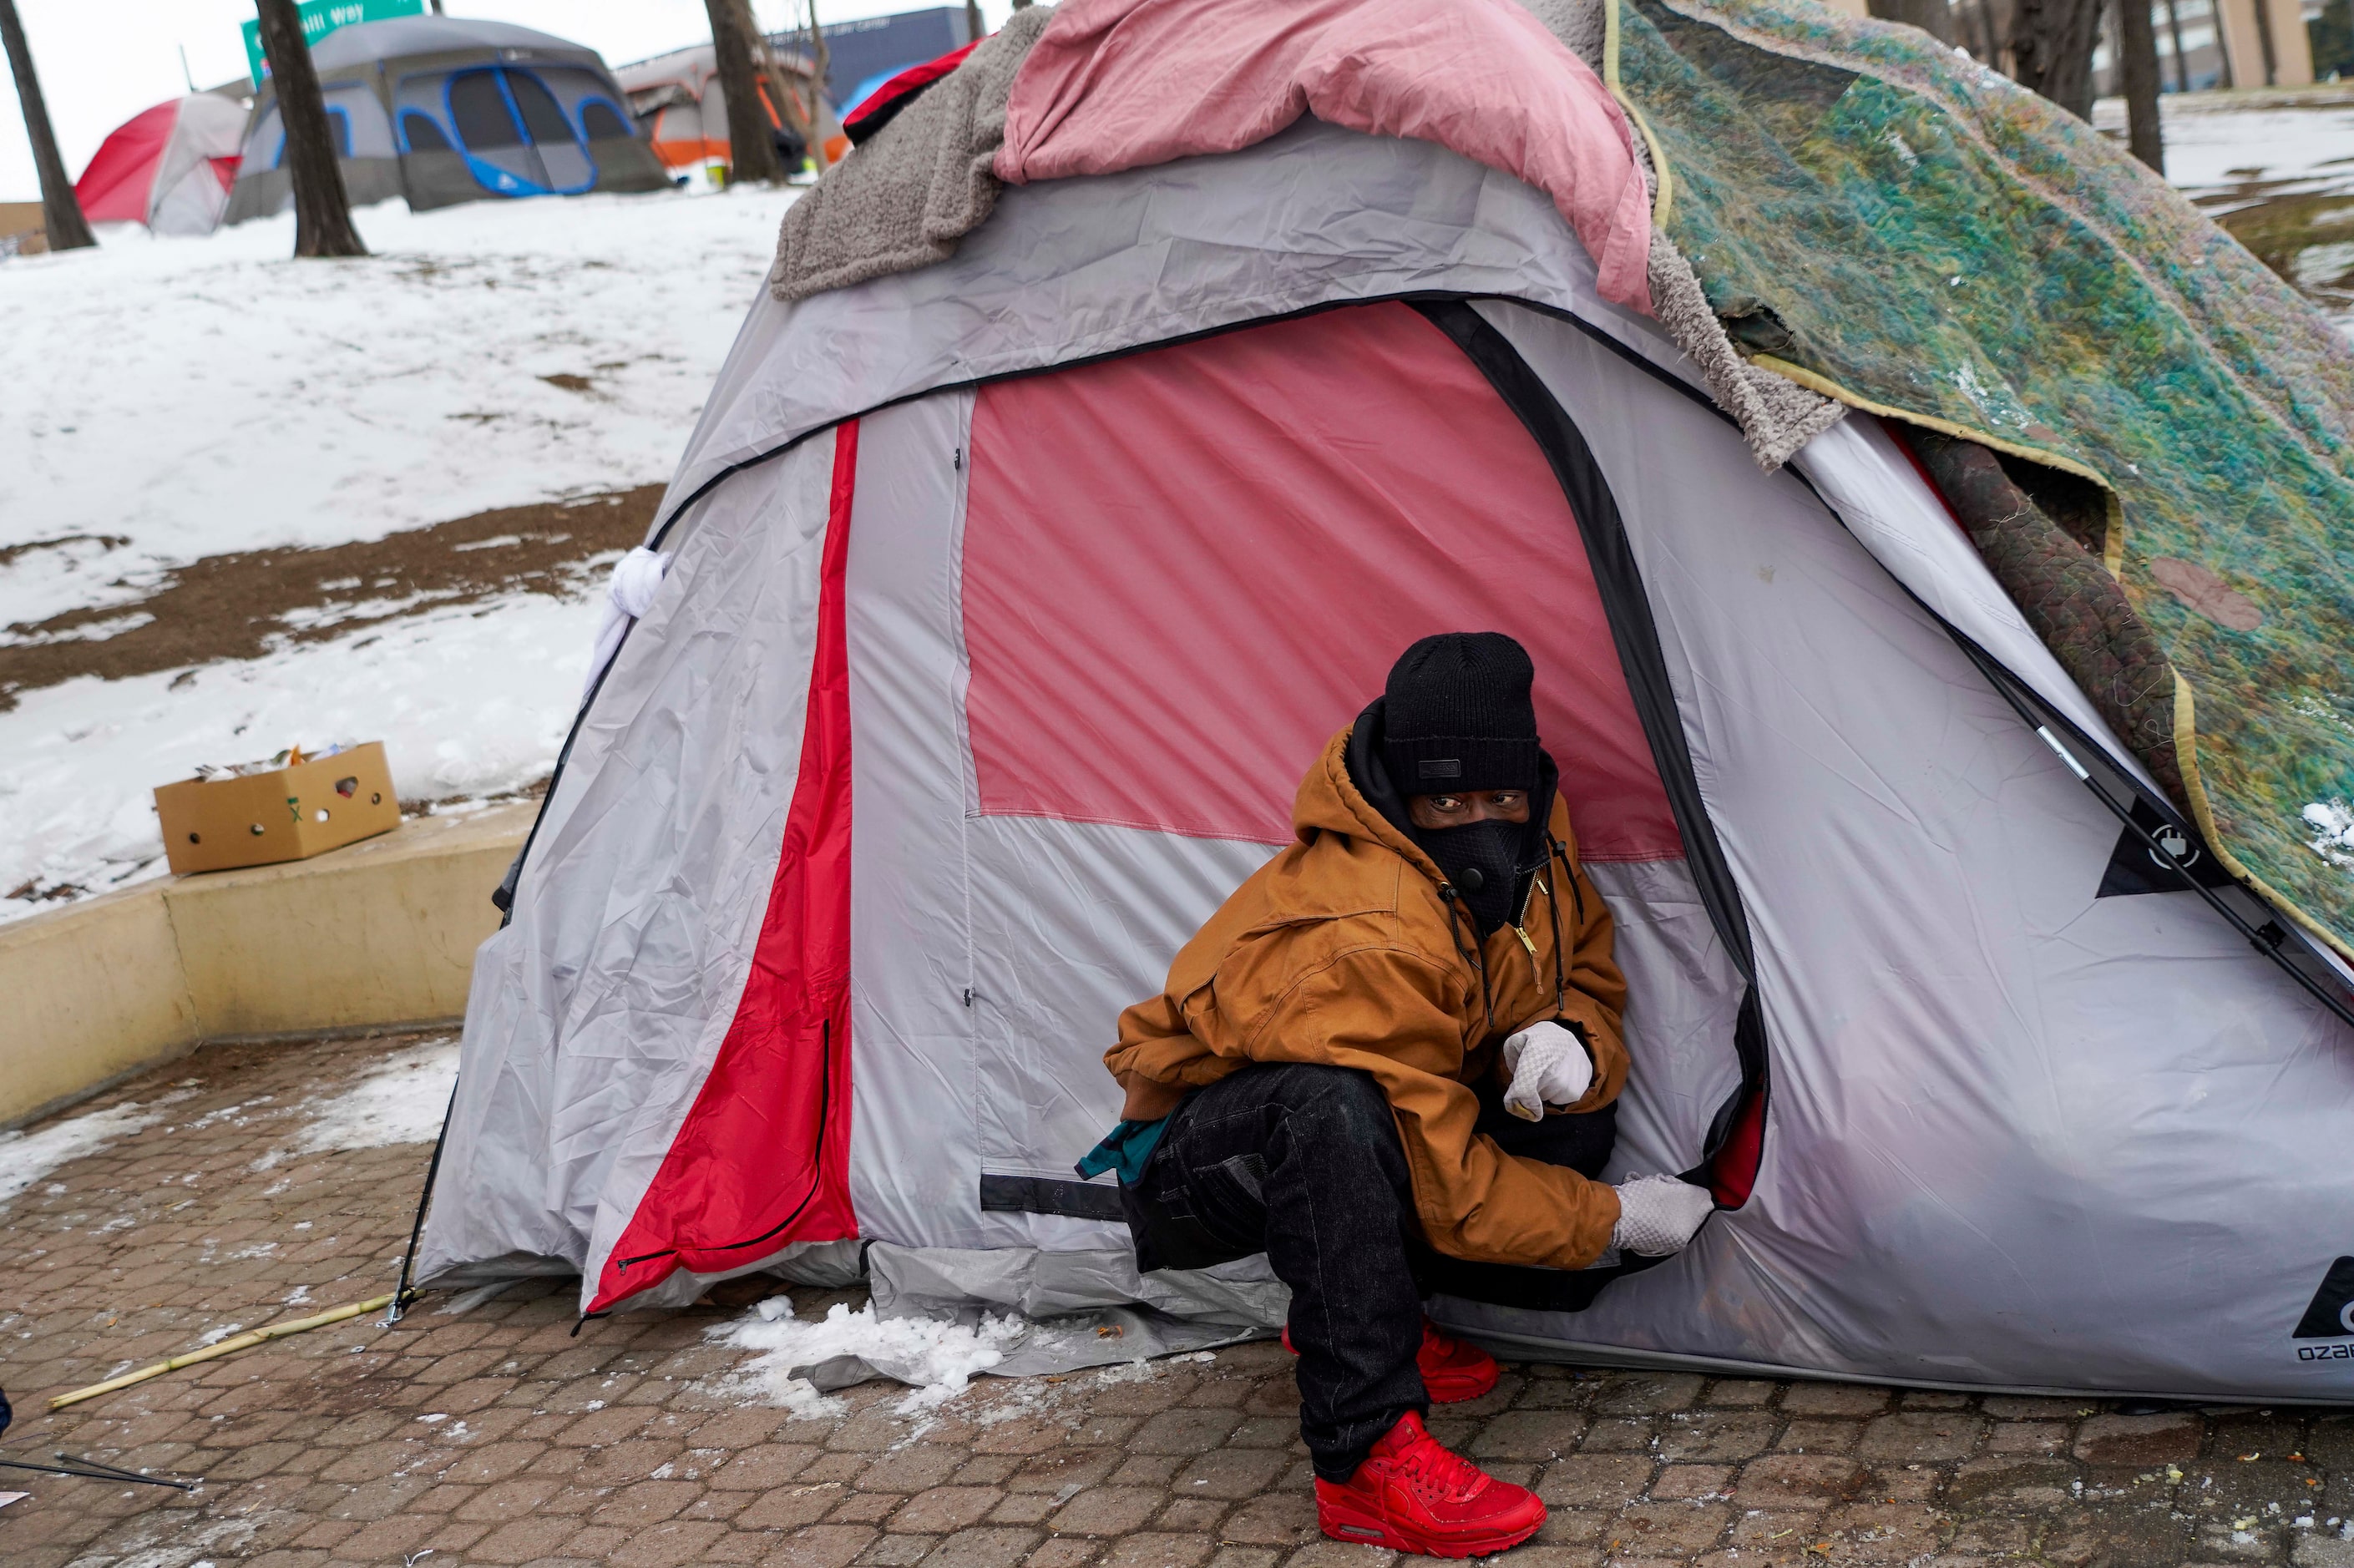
(799, 117)
(1990, 37)
(2174, 30)
(2137, 54)
(61, 221)
(821, 55)
(322, 213)
(975, 29)
(2052, 41)
(751, 155)
(1935, 17)
(2264, 43)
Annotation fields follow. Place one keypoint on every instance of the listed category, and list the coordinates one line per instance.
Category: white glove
(1549, 1066)
(1657, 1214)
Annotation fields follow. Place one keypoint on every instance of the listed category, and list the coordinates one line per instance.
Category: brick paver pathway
(495, 1436)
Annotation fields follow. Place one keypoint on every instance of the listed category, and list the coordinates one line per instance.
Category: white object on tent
(1012, 595)
(637, 577)
(170, 167)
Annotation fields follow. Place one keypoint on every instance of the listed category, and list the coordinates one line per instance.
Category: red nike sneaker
(1452, 1372)
(1412, 1495)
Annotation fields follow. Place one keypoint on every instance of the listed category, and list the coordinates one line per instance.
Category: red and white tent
(169, 167)
(1002, 600)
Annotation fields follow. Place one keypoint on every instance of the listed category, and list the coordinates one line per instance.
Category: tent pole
(403, 1293)
(2267, 940)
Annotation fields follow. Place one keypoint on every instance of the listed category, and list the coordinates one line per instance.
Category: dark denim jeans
(1303, 1164)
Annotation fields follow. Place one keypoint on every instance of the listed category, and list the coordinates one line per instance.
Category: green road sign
(320, 18)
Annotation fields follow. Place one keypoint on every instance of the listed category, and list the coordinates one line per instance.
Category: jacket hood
(1329, 801)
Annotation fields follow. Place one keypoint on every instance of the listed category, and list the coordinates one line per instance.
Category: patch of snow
(211, 1337)
(340, 401)
(344, 400)
(2228, 147)
(27, 1157)
(472, 699)
(936, 1357)
(2332, 823)
(401, 1099)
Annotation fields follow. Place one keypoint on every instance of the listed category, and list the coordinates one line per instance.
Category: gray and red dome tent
(1119, 410)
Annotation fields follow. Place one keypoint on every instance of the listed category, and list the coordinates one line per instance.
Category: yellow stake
(245, 1341)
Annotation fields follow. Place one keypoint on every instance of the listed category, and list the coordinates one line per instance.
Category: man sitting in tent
(1397, 1044)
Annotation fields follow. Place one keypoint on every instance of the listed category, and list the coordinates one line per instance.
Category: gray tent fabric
(2019, 1133)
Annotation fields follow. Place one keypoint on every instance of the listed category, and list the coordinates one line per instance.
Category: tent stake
(241, 1342)
(96, 1472)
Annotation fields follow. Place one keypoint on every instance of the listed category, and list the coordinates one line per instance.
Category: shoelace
(1433, 1469)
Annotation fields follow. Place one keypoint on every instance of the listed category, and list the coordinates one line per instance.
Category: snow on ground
(201, 396)
(2212, 144)
(937, 1356)
(2332, 823)
(401, 1099)
(165, 400)
(2276, 168)
(469, 701)
(27, 1157)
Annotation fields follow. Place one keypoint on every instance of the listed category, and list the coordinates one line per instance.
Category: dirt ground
(495, 1435)
(240, 605)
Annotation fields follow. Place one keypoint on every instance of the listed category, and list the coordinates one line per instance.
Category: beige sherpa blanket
(907, 198)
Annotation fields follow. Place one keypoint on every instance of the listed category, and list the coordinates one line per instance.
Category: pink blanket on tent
(1122, 84)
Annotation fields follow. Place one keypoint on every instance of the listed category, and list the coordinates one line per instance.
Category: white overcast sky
(102, 61)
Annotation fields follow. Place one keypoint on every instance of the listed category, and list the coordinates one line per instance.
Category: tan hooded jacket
(1340, 951)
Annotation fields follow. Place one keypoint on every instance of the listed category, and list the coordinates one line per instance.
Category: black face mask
(1487, 865)
(1500, 858)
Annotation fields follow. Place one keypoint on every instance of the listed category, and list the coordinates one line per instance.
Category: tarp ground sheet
(1901, 227)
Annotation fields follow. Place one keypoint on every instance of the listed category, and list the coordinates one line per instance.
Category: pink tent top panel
(1184, 570)
(1122, 84)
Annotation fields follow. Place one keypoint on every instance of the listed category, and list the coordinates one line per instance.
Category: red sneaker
(1412, 1495)
(1452, 1372)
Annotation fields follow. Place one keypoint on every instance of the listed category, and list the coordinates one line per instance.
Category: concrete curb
(376, 935)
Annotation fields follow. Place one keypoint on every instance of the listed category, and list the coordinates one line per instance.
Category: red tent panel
(1185, 570)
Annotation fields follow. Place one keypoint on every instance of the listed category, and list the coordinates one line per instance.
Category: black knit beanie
(1457, 715)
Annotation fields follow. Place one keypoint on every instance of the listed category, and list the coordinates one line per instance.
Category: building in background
(2329, 32)
(860, 56)
(2259, 43)
(438, 111)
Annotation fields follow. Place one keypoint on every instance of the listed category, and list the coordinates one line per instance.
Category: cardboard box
(283, 813)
